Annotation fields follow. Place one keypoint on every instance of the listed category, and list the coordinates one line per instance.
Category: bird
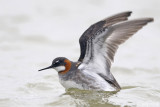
(98, 45)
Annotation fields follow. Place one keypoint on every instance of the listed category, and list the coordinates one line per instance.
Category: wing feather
(119, 33)
(101, 47)
(100, 42)
(93, 29)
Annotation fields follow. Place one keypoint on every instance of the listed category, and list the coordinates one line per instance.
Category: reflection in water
(90, 98)
(84, 98)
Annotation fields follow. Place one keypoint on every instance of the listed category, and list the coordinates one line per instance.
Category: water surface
(34, 32)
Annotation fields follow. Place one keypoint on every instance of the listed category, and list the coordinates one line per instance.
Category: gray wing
(119, 33)
(103, 44)
(93, 29)
(100, 43)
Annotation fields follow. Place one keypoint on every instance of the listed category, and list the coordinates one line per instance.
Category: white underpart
(60, 68)
(99, 82)
(70, 84)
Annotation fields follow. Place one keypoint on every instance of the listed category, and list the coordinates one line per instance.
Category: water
(34, 32)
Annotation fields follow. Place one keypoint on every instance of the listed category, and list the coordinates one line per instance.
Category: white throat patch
(60, 68)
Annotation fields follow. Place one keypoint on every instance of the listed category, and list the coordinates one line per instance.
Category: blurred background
(34, 32)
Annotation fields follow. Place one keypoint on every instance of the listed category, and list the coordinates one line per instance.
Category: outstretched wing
(100, 45)
(119, 33)
(93, 29)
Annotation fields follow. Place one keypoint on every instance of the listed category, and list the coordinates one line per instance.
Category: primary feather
(100, 42)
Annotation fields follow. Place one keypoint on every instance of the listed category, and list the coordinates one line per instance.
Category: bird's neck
(67, 66)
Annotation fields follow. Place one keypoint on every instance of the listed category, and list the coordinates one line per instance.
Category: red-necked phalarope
(98, 45)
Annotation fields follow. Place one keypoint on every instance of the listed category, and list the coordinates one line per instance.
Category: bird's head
(61, 64)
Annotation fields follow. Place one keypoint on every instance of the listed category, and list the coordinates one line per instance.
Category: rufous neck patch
(67, 66)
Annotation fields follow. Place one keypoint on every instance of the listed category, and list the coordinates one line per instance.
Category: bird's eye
(56, 63)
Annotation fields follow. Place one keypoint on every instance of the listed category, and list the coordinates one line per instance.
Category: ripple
(39, 86)
(90, 98)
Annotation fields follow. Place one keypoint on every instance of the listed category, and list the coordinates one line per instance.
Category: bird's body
(84, 79)
(98, 44)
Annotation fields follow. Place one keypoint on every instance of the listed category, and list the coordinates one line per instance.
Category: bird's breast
(70, 84)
